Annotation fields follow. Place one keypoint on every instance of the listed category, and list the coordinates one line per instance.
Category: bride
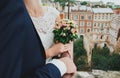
(44, 20)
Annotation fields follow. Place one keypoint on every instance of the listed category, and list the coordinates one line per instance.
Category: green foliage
(116, 7)
(79, 47)
(80, 54)
(101, 57)
(96, 6)
(99, 62)
(104, 51)
(81, 63)
(63, 2)
(83, 3)
(103, 60)
(110, 6)
(114, 62)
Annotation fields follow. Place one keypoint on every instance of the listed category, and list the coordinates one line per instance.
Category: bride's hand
(69, 52)
(56, 49)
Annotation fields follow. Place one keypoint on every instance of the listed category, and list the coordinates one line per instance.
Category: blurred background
(97, 50)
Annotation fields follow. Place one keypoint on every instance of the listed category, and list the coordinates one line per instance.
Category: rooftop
(102, 10)
(85, 8)
(82, 8)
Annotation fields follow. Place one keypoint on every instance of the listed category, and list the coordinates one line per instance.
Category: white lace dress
(44, 26)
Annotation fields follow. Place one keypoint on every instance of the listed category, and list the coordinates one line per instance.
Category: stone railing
(98, 74)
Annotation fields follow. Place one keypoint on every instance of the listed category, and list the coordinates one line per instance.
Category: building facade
(114, 31)
(101, 22)
(83, 16)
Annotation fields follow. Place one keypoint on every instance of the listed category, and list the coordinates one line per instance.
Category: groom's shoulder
(5, 4)
(8, 2)
(11, 7)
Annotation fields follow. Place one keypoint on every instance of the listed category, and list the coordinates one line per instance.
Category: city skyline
(115, 1)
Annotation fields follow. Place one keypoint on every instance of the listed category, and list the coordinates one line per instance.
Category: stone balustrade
(98, 74)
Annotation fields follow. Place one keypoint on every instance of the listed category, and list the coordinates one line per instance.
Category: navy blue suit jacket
(21, 52)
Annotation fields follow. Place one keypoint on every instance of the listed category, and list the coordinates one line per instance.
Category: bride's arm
(66, 50)
(59, 48)
(56, 49)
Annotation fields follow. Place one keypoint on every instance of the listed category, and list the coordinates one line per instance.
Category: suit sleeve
(47, 71)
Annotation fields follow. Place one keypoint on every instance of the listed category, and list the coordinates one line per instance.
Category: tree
(114, 62)
(110, 6)
(83, 3)
(63, 3)
(79, 47)
(80, 54)
(100, 62)
(101, 51)
(96, 6)
(100, 57)
(103, 60)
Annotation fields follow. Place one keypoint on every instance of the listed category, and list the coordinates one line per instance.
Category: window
(102, 24)
(99, 17)
(95, 17)
(106, 17)
(95, 24)
(102, 17)
(110, 17)
(101, 37)
(88, 30)
(75, 17)
(81, 23)
(76, 22)
(81, 30)
(82, 18)
(88, 23)
(101, 27)
(89, 17)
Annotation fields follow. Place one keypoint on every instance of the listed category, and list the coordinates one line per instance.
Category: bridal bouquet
(65, 31)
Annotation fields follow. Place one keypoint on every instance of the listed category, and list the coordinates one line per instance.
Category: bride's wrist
(49, 52)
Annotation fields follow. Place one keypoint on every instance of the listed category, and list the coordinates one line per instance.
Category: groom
(21, 52)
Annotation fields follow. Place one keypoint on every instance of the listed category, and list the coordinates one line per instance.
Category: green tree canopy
(116, 7)
(83, 3)
(79, 47)
(103, 60)
(63, 3)
(80, 54)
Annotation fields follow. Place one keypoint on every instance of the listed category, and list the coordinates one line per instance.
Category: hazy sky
(115, 1)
